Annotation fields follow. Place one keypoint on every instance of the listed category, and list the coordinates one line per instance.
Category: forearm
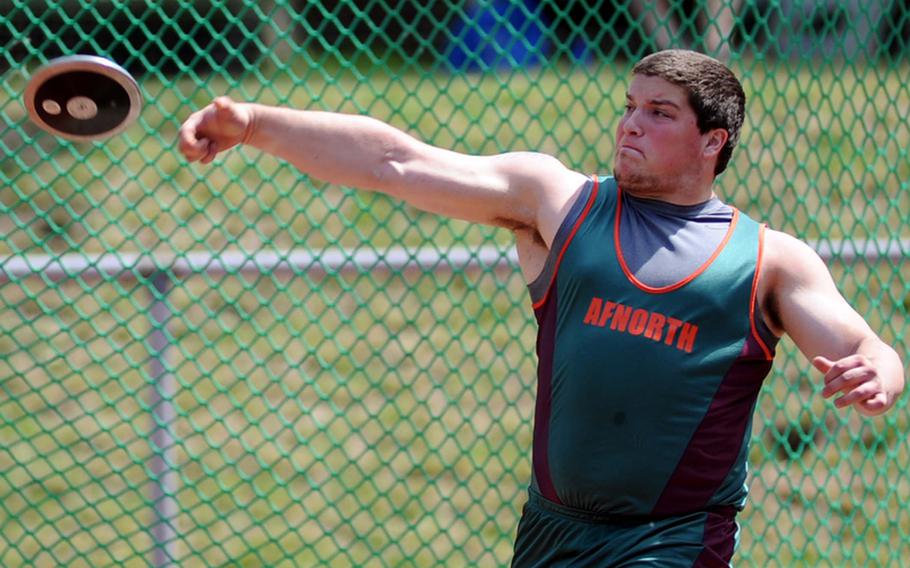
(351, 150)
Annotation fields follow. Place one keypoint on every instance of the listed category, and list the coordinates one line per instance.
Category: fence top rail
(320, 262)
(341, 261)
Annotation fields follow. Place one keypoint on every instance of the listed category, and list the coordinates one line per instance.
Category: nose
(630, 124)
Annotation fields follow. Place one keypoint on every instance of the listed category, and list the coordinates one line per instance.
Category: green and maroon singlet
(645, 394)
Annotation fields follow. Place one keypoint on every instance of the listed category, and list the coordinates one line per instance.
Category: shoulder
(538, 182)
(550, 189)
(544, 181)
(542, 170)
(785, 255)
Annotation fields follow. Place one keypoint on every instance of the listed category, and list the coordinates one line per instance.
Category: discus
(82, 98)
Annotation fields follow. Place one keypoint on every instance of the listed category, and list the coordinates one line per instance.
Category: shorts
(550, 535)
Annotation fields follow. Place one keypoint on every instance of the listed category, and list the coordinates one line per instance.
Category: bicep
(811, 309)
(513, 190)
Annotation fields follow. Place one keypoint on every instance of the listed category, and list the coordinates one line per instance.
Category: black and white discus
(82, 97)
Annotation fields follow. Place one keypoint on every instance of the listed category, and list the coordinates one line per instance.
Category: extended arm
(858, 367)
(519, 190)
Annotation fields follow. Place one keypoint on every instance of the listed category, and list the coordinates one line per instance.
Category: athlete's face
(658, 144)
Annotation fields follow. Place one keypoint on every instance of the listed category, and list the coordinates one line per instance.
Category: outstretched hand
(858, 382)
(217, 127)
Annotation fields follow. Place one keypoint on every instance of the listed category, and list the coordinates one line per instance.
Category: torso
(597, 425)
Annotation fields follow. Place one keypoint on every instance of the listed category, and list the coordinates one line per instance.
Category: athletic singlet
(645, 392)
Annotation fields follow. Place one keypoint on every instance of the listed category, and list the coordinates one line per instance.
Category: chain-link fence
(236, 365)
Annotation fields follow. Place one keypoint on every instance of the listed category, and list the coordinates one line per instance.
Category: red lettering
(621, 318)
(606, 313)
(687, 337)
(638, 322)
(655, 326)
(593, 311)
(671, 333)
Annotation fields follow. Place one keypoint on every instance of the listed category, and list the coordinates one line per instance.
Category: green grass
(386, 418)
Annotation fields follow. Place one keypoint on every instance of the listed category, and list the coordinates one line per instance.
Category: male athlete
(658, 305)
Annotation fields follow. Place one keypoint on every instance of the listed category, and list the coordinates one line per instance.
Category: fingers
(875, 405)
(211, 151)
(834, 369)
(857, 380)
(855, 391)
(847, 379)
(822, 364)
(192, 144)
(211, 130)
(224, 105)
(867, 399)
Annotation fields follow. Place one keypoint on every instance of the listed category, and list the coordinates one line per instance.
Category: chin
(635, 182)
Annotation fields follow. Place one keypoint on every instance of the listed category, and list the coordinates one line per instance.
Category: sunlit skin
(660, 152)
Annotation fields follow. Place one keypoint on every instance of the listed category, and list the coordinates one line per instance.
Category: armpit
(767, 315)
(514, 225)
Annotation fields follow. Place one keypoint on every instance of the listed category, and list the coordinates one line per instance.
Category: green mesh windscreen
(236, 365)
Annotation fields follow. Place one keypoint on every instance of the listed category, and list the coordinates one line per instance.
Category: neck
(675, 198)
(676, 191)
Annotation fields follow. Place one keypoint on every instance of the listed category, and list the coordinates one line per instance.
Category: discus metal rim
(93, 64)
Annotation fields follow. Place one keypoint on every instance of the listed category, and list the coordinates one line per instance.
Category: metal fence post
(161, 397)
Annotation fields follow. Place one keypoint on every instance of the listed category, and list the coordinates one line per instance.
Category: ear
(715, 141)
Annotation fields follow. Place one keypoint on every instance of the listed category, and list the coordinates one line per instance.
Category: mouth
(626, 149)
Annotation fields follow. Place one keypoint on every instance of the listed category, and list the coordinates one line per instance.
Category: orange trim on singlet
(684, 281)
(565, 245)
(761, 249)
